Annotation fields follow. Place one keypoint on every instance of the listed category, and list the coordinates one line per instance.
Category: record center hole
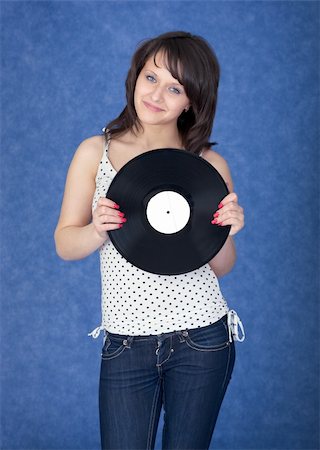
(168, 212)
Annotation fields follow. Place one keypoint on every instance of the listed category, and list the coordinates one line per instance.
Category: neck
(155, 136)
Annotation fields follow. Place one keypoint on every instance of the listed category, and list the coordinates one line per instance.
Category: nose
(156, 94)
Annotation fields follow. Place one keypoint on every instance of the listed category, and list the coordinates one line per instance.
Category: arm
(224, 261)
(76, 236)
(229, 214)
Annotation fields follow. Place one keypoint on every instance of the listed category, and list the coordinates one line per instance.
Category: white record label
(168, 212)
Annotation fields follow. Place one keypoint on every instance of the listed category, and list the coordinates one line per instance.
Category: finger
(102, 210)
(104, 201)
(232, 207)
(234, 222)
(107, 218)
(228, 215)
(232, 197)
(231, 221)
(109, 226)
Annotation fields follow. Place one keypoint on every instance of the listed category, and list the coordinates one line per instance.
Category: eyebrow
(174, 82)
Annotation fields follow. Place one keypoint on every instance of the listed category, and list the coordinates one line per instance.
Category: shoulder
(91, 147)
(89, 153)
(220, 164)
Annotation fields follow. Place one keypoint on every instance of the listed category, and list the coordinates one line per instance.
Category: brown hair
(199, 76)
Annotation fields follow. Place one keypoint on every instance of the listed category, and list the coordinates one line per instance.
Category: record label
(168, 197)
(168, 212)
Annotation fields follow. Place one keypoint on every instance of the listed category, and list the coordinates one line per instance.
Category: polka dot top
(135, 302)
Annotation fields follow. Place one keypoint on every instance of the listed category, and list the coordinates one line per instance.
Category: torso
(137, 302)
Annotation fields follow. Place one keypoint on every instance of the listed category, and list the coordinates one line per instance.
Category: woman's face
(159, 99)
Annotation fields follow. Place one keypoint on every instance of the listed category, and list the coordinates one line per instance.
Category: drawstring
(96, 332)
(234, 323)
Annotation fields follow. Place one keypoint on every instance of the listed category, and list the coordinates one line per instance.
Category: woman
(167, 338)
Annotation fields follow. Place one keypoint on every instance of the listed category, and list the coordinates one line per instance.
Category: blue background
(63, 70)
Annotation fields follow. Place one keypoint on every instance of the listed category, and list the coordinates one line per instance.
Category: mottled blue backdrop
(63, 71)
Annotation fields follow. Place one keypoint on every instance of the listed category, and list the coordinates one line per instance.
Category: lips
(152, 107)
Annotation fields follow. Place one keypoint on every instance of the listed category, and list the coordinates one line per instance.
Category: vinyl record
(168, 197)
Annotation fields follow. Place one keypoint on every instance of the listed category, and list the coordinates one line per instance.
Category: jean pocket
(113, 347)
(211, 338)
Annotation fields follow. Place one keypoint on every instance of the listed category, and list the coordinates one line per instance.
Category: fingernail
(220, 205)
(120, 214)
(123, 220)
(120, 225)
(116, 206)
(216, 214)
(214, 221)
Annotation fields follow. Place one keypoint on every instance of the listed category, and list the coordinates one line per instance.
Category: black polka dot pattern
(137, 302)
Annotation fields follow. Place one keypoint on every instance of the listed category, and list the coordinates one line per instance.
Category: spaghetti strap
(107, 138)
(104, 165)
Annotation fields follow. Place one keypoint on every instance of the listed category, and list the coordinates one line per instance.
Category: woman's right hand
(107, 216)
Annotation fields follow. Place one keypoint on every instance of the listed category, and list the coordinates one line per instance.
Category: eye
(151, 78)
(175, 90)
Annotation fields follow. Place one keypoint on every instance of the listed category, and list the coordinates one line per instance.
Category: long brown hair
(199, 76)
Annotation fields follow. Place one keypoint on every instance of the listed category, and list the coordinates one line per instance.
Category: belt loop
(105, 335)
(182, 335)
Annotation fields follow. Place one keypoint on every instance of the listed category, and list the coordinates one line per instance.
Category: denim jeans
(187, 372)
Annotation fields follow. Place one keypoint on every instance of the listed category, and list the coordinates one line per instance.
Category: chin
(146, 119)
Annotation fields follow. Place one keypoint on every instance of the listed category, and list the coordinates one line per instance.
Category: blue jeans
(186, 371)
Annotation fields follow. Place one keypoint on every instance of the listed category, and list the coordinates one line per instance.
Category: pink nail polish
(120, 225)
(214, 221)
(121, 214)
(216, 214)
(220, 205)
(124, 220)
(116, 206)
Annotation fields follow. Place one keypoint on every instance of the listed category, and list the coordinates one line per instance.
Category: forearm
(73, 242)
(225, 259)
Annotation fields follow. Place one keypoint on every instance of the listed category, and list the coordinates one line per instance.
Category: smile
(151, 107)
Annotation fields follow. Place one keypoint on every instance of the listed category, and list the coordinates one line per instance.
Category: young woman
(167, 339)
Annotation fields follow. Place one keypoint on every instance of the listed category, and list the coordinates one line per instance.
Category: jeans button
(125, 342)
(185, 333)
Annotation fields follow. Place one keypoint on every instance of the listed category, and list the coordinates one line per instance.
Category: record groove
(174, 191)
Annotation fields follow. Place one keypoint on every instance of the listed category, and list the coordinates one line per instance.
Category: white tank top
(135, 302)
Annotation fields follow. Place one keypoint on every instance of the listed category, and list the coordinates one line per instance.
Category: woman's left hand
(229, 213)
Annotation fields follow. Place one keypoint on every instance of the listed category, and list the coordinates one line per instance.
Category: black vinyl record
(168, 197)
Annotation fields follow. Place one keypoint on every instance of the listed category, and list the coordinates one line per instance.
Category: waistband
(232, 320)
